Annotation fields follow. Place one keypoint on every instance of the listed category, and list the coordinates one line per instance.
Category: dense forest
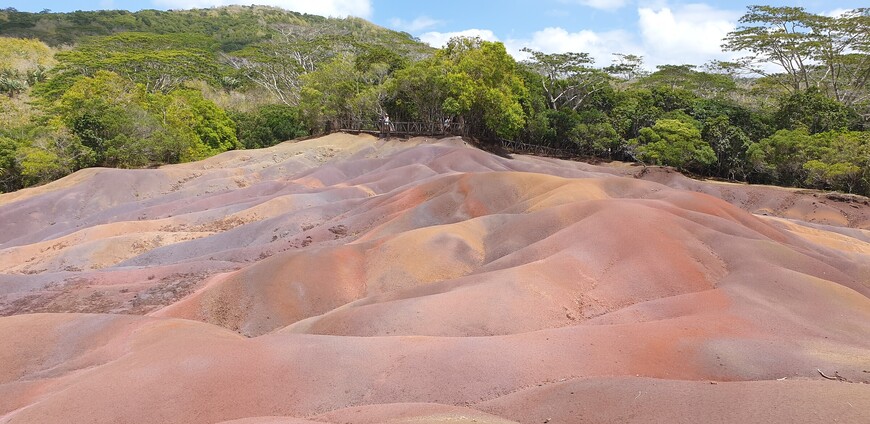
(122, 89)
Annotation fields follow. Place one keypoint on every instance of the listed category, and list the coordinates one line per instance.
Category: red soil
(345, 279)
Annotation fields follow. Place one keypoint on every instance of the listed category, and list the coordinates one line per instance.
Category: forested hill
(122, 89)
(132, 89)
(232, 28)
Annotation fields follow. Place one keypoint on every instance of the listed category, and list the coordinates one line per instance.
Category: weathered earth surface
(347, 279)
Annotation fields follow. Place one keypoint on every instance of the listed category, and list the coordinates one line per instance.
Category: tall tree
(813, 50)
(569, 78)
(674, 143)
(626, 67)
(484, 86)
(841, 46)
(278, 64)
(776, 35)
(159, 62)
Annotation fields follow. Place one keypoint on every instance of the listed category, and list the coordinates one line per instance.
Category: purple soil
(345, 279)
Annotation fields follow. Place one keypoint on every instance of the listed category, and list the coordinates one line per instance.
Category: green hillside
(232, 28)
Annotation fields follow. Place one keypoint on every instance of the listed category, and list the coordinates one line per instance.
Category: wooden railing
(399, 128)
(519, 147)
(411, 129)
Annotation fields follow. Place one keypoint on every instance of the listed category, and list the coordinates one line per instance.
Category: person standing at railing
(385, 126)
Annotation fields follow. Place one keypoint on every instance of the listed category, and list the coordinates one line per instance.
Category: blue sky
(663, 31)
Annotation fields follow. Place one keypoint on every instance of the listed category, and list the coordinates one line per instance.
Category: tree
(841, 46)
(626, 67)
(123, 125)
(53, 153)
(339, 91)
(419, 92)
(158, 62)
(9, 170)
(568, 78)
(813, 50)
(673, 143)
(730, 143)
(192, 127)
(22, 63)
(688, 78)
(268, 125)
(839, 176)
(484, 86)
(25, 55)
(837, 160)
(594, 134)
(278, 64)
(814, 111)
(100, 111)
(777, 35)
(634, 109)
(780, 157)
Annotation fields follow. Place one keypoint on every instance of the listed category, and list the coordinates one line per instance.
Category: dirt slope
(347, 279)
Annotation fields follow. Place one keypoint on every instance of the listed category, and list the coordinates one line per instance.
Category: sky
(662, 31)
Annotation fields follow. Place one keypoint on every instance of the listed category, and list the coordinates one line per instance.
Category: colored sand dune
(348, 279)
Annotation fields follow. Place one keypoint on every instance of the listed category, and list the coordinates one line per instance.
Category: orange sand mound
(348, 279)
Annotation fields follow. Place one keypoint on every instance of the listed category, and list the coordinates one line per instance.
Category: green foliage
(755, 124)
(22, 64)
(781, 156)
(339, 91)
(673, 143)
(568, 79)
(484, 85)
(25, 55)
(193, 127)
(686, 78)
(268, 125)
(777, 35)
(371, 54)
(159, 62)
(730, 143)
(472, 80)
(814, 111)
(232, 28)
(51, 153)
(9, 169)
(837, 160)
(670, 99)
(419, 91)
(100, 112)
(812, 50)
(634, 110)
(627, 67)
(124, 126)
(595, 136)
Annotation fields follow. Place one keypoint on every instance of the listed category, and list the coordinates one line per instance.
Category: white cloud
(440, 39)
(337, 8)
(836, 13)
(418, 24)
(600, 4)
(688, 34)
(599, 45)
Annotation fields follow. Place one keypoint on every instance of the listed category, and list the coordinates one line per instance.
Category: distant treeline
(147, 88)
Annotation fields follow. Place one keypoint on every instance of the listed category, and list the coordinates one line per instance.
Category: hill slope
(347, 279)
(232, 27)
